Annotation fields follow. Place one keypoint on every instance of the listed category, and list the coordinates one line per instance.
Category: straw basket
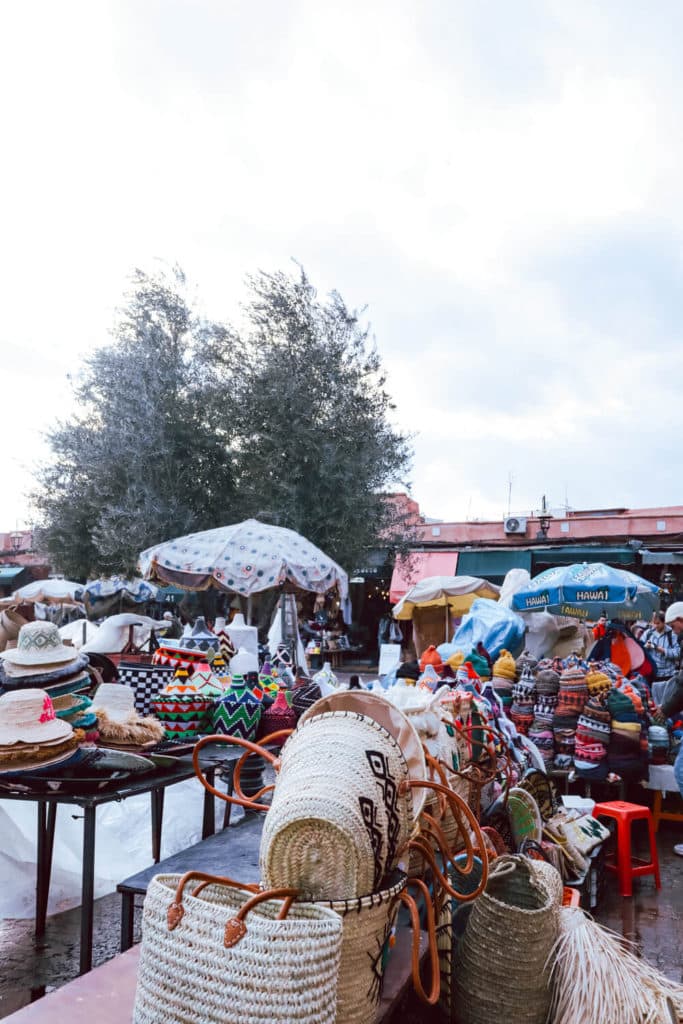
(341, 813)
(450, 926)
(367, 923)
(501, 961)
(230, 956)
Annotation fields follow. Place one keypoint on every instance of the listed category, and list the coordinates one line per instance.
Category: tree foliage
(147, 454)
(185, 424)
(315, 444)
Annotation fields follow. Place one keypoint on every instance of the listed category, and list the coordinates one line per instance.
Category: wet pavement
(30, 967)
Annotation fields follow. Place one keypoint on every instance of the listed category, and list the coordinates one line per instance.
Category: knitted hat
(526, 660)
(597, 681)
(504, 667)
(572, 675)
(408, 670)
(431, 657)
(456, 660)
(479, 664)
(547, 681)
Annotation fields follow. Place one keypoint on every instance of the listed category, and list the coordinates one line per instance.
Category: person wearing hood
(673, 701)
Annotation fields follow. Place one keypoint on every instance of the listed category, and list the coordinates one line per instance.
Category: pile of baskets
(362, 825)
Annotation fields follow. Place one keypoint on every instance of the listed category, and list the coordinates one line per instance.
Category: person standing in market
(672, 704)
(661, 642)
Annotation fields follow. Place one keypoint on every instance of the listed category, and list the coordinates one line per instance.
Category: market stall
(424, 808)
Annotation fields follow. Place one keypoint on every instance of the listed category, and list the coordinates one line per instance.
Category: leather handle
(435, 977)
(236, 927)
(273, 738)
(458, 807)
(240, 800)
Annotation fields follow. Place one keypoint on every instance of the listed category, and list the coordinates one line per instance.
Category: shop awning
(8, 573)
(493, 564)
(418, 565)
(662, 557)
(568, 554)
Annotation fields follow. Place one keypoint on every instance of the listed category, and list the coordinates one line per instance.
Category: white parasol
(244, 558)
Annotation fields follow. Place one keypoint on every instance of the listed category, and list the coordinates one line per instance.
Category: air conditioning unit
(515, 524)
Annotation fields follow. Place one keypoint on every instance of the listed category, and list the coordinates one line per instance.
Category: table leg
(87, 888)
(209, 816)
(157, 797)
(47, 814)
(227, 813)
(127, 920)
(41, 851)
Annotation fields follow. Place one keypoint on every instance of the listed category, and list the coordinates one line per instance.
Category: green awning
(10, 572)
(493, 564)
(568, 554)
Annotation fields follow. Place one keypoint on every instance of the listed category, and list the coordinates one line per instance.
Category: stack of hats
(76, 709)
(523, 701)
(627, 750)
(541, 729)
(571, 698)
(431, 657)
(504, 676)
(455, 660)
(526, 660)
(598, 682)
(41, 661)
(592, 738)
(31, 735)
(479, 663)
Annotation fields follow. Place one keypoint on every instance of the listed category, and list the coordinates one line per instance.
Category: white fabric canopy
(51, 589)
(244, 558)
(456, 592)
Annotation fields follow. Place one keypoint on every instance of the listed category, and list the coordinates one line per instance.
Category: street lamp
(544, 520)
(16, 540)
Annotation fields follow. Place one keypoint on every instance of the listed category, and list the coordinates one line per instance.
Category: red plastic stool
(627, 867)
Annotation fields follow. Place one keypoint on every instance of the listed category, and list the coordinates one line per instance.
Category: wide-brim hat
(28, 716)
(40, 759)
(45, 673)
(39, 643)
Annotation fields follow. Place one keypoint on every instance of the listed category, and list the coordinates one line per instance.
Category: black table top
(233, 852)
(119, 789)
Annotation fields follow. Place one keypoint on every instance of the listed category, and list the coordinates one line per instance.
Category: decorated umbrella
(245, 558)
(135, 590)
(455, 594)
(587, 591)
(50, 591)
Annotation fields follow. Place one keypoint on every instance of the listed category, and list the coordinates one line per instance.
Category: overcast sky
(501, 183)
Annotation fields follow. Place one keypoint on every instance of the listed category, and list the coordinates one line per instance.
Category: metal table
(155, 783)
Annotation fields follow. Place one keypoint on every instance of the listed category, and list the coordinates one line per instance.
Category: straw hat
(39, 643)
(28, 716)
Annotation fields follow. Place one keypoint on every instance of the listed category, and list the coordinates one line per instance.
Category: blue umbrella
(587, 590)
